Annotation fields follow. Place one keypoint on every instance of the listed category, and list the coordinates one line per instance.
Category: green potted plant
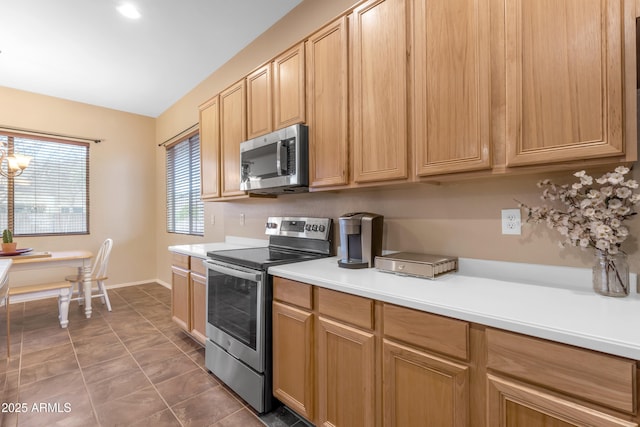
(8, 245)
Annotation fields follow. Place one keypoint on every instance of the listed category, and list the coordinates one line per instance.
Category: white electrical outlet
(241, 219)
(213, 219)
(511, 221)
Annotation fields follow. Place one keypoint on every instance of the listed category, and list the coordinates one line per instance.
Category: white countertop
(200, 250)
(569, 312)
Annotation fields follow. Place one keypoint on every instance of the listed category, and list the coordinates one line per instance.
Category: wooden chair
(98, 275)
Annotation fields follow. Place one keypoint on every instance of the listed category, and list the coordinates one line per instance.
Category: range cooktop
(291, 239)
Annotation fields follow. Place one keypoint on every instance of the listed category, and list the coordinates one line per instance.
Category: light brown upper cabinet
(259, 111)
(451, 69)
(379, 36)
(233, 130)
(289, 88)
(564, 79)
(210, 149)
(327, 105)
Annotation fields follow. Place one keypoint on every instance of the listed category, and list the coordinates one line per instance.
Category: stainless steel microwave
(276, 163)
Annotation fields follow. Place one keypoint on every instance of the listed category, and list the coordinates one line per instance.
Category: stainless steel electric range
(239, 296)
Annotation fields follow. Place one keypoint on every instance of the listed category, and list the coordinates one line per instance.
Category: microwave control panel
(304, 227)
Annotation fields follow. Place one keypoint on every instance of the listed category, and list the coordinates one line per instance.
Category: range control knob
(322, 228)
(307, 227)
(315, 227)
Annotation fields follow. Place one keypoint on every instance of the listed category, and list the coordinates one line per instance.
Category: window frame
(11, 181)
(194, 200)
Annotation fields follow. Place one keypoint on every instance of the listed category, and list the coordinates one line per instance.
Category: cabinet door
(180, 297)
(451, 69)
(513, 404)
(259, 112)
(198, 289)
(210, 149)
(379, 88)
(346, 375)
(564, 80)
(288, 88)
(327, 105)
(419, 387)
(233, 131)
(293, 358)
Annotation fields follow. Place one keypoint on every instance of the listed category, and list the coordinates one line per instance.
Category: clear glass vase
(611, 274)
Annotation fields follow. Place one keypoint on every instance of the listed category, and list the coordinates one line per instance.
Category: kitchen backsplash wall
(460, 219)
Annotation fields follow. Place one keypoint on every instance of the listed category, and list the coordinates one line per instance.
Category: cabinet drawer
(180, 260)
(348, 308)
(292, 292)
(198, 267)
(603, 379)
(430, 331)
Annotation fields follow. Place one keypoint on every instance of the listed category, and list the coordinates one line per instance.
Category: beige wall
(460, 219)
(122, 178)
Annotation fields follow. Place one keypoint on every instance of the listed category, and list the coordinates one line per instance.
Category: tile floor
(129, 367)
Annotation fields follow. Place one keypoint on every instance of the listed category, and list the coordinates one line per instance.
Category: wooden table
(40, 260)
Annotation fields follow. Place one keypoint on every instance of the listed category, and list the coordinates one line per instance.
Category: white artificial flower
(623, 192)
(589, 212)
(622, 170)
(577, 186)
(603, 245)
(584, 243)
(615, 204)
(606, 191)
(632, 183)
(579, 174)
(615, 179)
(603, 231)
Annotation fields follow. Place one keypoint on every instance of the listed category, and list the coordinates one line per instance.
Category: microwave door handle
(281, 158)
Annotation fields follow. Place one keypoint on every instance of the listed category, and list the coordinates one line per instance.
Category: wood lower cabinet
(188, 295)
(422, 384)
(422, 389)
(180, 301)
(512, 404)
(346, 360)
(198, 315)
(293, 367)
(346, 375)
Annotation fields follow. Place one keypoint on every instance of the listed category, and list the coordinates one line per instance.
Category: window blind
(51, 197)
(185, 210)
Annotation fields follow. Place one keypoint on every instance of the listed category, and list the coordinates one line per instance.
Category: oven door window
(233, 306)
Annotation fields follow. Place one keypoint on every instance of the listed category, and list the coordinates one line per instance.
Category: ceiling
(84, 50)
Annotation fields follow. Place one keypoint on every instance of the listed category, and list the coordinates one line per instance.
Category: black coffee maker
(360, 239)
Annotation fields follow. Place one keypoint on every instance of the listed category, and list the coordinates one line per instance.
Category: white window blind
(51, 197)
(185, 210)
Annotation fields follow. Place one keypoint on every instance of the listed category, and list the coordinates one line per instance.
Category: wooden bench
(64, 296)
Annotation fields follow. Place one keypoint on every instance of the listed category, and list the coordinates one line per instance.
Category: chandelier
(16, 163)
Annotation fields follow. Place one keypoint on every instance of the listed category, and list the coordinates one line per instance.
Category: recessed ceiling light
(129, 10)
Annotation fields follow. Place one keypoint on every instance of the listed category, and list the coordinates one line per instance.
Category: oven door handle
(254, 277)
